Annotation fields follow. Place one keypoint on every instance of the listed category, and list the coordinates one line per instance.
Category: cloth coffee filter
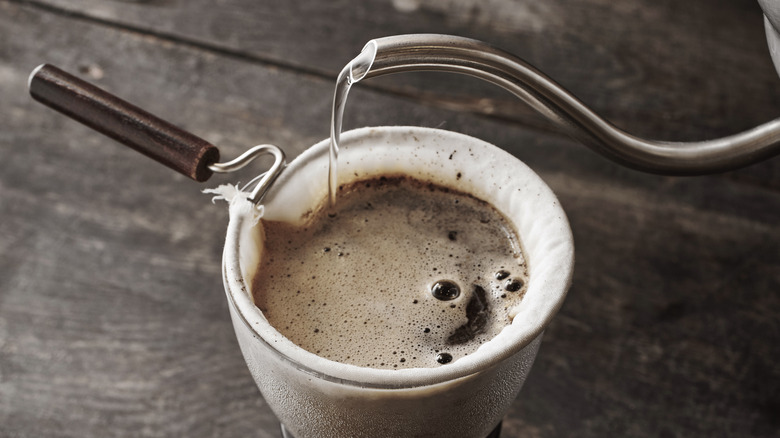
(438, 156)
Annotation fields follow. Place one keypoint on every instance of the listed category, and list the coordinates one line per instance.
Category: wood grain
(660, 69)
(113, 319)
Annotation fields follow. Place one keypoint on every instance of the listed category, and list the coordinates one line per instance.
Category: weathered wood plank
(663, 69)
(112, 315)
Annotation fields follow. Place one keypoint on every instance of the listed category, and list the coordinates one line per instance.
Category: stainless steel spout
(402, 53)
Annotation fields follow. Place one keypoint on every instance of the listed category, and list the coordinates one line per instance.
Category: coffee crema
(399, 274)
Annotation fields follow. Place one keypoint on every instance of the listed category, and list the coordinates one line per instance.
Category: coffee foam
(443, 158)
(402, 274)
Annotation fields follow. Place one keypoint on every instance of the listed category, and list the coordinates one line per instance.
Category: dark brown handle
(124, 122)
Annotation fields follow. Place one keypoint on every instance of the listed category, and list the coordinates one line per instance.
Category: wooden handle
(172, 146)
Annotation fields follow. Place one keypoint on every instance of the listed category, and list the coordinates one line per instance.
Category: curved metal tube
(266, 179)
(402, 53)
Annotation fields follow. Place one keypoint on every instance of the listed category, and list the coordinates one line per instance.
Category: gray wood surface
(699, 68)
(113, 321)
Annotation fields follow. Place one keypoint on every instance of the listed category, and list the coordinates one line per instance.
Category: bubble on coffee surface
(513, 285)
(445, 290)
(377, 305)
(443, 358)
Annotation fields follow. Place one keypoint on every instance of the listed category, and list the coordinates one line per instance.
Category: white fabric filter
(317, 397)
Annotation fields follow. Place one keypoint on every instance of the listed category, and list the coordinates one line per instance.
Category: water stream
(353, 72)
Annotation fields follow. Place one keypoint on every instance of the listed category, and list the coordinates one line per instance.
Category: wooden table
(113, 320)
